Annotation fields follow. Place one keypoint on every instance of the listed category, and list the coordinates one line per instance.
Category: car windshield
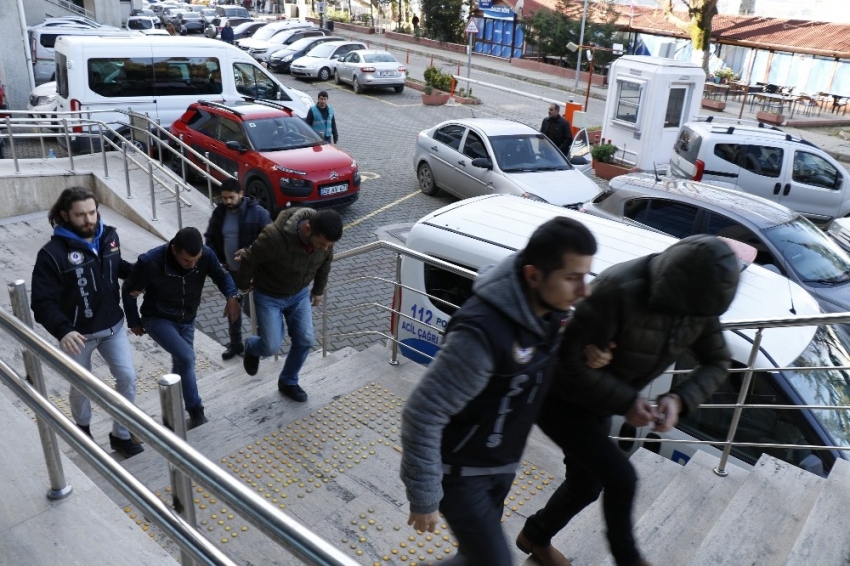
(527, 153)
(810, 253)
(266, 32)
(302, 43)
(379, 58)
(276, 134)
(830, 347)
(322, 51)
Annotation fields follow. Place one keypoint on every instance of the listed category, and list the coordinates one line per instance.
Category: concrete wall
(13, 71)
(21, 194)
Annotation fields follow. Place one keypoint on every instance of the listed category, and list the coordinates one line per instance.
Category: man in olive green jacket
(290, 253)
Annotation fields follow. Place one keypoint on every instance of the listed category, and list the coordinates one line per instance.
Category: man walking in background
(294, 251)
(321, 118)
(557, 129)
(172, 278)
(234, 225)
(227, 32)
(75, 296)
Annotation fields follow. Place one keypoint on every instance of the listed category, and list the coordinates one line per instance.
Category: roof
(494, 126)
(251, 110)
(744, 207)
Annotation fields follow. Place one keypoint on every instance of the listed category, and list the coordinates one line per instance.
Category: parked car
(277, 157)
(784, 240)
(193, 21)
(320, 62)
(208, 14)
(268, 31)
(279, 61)
(149, 15)
(766, 162)
(364, 69)
(71, 20)
(262, 51)
(479, 156)
(232, 11)
(218, 23)
(245, 29)
(42, 102)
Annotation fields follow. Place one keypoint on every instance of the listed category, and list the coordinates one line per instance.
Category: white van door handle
(787, 189)
(435, 148)
(462, 163)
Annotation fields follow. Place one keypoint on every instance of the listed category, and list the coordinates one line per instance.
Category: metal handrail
(286, 531)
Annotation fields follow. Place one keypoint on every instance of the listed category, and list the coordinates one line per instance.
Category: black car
(246, 29)
(193, 21)
(280, 60)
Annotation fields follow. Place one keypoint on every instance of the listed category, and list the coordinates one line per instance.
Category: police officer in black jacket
(234, 225)
(75, 296)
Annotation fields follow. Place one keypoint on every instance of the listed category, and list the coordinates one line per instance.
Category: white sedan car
(320, 62)
(42, 101)
(364, 69)
(482, 156)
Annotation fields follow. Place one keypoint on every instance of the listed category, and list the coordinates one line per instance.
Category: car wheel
(258, 189)
(399, 88)
(356, 85)
(176, 165)
(324, 74)
(336, 77)
(136, 143)
(427, 184)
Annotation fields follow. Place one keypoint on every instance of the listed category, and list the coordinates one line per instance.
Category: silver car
(482, 156)
(367, 68)
(321, 61)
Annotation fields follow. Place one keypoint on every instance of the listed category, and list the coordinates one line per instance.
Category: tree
(443, 20)
(698, 26)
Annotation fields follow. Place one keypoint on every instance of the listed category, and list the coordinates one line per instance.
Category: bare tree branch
(667, 8)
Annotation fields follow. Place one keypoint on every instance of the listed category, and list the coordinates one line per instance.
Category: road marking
(341, 88)
(369, 176)
(383, 208)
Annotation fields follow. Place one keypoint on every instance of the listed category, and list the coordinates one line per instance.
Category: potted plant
(604, 164)
(464, 96)
(435, 80)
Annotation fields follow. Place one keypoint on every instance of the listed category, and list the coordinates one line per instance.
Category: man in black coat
(234, 225)
(557, 129)
(654, 310)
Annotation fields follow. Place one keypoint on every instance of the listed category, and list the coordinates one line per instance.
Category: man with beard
(557, 129)
(234, 225)
(75, 296)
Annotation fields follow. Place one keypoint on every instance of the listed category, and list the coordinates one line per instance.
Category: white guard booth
(649, 98)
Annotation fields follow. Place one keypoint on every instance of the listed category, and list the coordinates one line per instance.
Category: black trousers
(473, 507)
(594, 464)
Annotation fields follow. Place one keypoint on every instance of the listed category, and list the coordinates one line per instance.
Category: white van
(43, 39)
(160, 76)
(483, 230)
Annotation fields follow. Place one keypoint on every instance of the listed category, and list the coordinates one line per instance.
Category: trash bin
(329, 25)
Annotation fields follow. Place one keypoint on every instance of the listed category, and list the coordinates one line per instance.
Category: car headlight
(287, 58)
(283, 169)
(290, 183)
(42, 100)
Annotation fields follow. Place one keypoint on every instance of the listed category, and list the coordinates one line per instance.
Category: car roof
(249, 109)
(364, 51)
(493, 126)
(705, 127)
(744, 207)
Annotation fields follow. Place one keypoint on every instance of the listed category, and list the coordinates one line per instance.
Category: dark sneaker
(86, 429)
(294, 392)
(235, 349)
(125, 446)
(196, 417)
(250, 362)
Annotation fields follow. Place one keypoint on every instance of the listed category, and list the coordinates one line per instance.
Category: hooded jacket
(475, 405)
(655, 309)
(252, 219)
(279, 263)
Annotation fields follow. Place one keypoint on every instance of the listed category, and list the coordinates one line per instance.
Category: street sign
(320, 7)
(471, 27)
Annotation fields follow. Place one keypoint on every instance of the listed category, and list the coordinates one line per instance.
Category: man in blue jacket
(172, 278)
(234, 225)
(75, 296)
(321, 118)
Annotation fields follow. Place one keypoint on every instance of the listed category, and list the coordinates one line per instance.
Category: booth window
(675, 107)
(628, 101)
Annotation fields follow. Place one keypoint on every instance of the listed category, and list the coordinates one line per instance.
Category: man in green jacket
(293, 251)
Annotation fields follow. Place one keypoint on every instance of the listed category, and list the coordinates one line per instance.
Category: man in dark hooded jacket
(653, 309)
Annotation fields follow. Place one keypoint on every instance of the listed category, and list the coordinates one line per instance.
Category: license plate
(333, 189)
(387, 73)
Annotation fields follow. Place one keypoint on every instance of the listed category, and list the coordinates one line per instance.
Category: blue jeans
(178, 339)
(114, 347)
(271, 312)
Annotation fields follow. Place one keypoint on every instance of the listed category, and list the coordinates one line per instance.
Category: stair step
(824, 538)
(583, 540)
(674, 526)
(761, 523)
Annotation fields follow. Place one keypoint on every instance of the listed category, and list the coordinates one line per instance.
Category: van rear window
(48, 40)
(61, 75)
(162, 76)
(687, 146)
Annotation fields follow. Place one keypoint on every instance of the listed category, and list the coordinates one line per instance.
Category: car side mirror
(335, 57)
(235, 146)
(482, 163)
(578, 160)
(839, 181)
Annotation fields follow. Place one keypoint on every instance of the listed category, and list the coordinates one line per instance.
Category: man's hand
(316, 300)
(135, 294)
(425, 522)
(232, 309)
(669, 407)
(138, 330)
(641, 413)
(73, 343)
(238, 255)
(597, 358)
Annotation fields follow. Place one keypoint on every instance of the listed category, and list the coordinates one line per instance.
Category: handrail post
(91, 138)
(12, 145)
(179, 211)
(209, 178)
(325, 325)
(720, 470)
(396, 318)
(59, 488)
(126, 169)
(183, 156)
(102, 150)
(171, 402)
(68, 143)
(153, 196)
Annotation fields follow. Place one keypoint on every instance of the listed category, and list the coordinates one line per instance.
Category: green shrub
(604, 152)
(437, 79)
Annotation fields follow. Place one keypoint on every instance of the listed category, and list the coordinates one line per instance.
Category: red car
(277, 157)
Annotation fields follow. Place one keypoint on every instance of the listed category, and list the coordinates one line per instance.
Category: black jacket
(558, 130)
(252, 219)
(74, 289)
(655, 309)
(171, 292)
